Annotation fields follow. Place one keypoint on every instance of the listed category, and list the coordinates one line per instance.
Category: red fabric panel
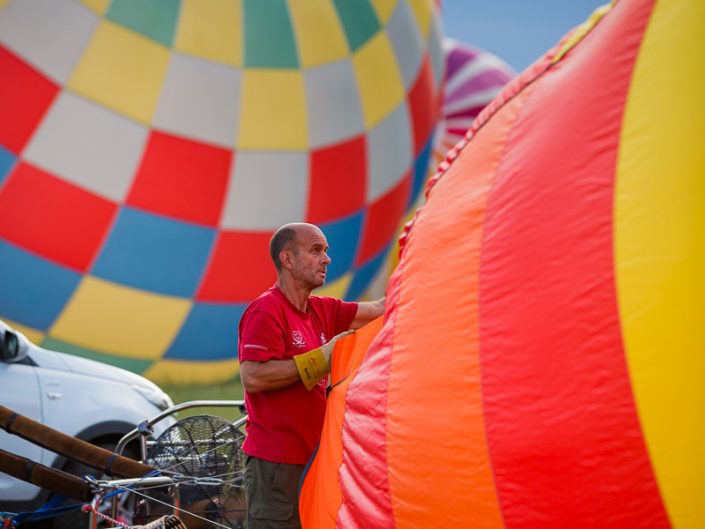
(436, 346)
(53, 218)
(423, 106)
(364, 473)
(382, 219)
(240, 268)
(25, 95)
(562, 426)
(338, 181)
(320, 496)
(182, 178)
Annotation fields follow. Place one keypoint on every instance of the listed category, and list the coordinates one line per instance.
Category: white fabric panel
(333, 101)
(435, 48)
(267, 189)
(390, 152)
(50, 34)
(407, 42)
(210, 92)
(88, 145)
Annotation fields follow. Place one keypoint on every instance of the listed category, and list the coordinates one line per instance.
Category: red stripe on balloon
(25, 96)
(364, 480)
(563, 432)
(54, 218)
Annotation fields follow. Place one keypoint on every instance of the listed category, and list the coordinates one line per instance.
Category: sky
(517, 31)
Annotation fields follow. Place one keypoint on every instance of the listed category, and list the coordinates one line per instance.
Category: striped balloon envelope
(148, 150)
(473, 77)
(542, 356)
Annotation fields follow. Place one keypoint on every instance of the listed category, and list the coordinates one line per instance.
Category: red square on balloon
(240, 268)
(182, 178)
(25, 96)
(338, 181)
(53, 218)
(383, 220)
(422, 106)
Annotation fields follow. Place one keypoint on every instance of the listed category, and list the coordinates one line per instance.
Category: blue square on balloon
(365, 274)
(420, 171)
(209, 333)
(343, 239)
(155, 253)
(7, 161)
(34, 290)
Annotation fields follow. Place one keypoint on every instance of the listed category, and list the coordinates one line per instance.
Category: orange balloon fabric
(540, 364)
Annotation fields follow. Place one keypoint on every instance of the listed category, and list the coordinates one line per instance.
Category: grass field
(230, 390)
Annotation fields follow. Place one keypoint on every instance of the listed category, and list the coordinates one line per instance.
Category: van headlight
(156, 396)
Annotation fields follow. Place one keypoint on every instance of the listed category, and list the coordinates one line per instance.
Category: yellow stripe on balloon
(384, 9)
(99, 7)
(319, 34)
(211, 29)
(660, 251)
(378, 78)
(168, 371)
(423, 11)
(123, 70)
(273, 115)
(130, 323)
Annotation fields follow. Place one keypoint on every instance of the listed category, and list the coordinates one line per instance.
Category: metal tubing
(147, 424)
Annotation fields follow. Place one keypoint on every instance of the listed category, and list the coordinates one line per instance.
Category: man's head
(299, 250)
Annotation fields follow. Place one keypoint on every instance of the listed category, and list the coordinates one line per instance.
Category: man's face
(309, 259)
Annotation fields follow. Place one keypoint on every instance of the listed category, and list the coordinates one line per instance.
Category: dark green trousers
(272, 491)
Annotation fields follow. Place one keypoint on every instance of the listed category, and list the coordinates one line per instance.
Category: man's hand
(315, 364)
(330, 346)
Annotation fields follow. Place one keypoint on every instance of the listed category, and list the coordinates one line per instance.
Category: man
(286, 338)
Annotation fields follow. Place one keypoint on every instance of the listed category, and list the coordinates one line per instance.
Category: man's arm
(266, 376)
(367, 311)
(276, 374)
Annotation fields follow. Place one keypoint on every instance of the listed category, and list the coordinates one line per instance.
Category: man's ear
(285, 258)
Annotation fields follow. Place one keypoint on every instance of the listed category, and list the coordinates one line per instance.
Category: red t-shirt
(284, 425)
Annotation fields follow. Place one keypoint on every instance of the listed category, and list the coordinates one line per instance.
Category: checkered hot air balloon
(541, 359)
(149, 149)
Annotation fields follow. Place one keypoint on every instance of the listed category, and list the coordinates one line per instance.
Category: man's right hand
(330, 346)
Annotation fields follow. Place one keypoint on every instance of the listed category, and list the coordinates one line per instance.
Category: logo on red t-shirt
(297, 338)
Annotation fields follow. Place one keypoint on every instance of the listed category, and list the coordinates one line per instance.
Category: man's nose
(326, 258)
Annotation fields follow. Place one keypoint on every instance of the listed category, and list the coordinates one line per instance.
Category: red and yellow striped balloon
(542, 358)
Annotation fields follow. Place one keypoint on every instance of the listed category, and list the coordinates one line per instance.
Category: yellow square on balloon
(273, 114)
(319, 33)
(122, 70)
(384, 9)
(378, 78)
(99, 7)
(113, 318)
(422, 10)
(211, 29)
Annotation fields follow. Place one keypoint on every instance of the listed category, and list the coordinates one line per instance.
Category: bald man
(286, 338)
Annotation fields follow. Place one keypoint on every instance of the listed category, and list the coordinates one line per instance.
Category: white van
(83, 398)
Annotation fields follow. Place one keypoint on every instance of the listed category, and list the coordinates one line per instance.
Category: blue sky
(518, 31)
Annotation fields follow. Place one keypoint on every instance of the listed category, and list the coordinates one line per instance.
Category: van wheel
(126, 503)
